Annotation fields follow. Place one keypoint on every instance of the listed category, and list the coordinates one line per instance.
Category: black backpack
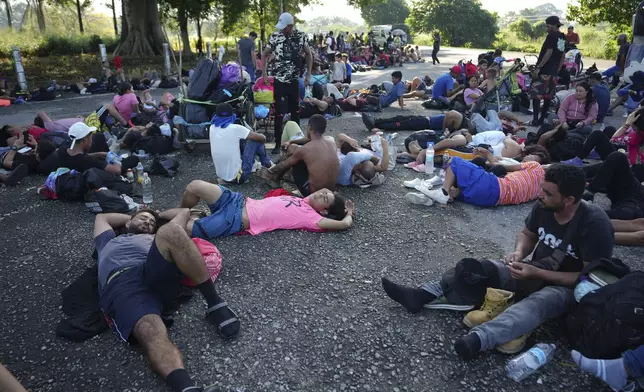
(609, 321)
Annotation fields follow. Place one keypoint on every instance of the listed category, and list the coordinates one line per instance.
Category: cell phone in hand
(25, 135)
(24, 150)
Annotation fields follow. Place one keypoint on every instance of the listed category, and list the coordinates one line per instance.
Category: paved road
(314, 316)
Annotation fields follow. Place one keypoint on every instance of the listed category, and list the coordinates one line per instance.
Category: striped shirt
(523, 185)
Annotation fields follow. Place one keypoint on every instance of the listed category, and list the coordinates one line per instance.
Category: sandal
(228, 328)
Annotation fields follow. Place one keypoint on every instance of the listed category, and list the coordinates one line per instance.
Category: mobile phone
(24, 150)
(25, 135)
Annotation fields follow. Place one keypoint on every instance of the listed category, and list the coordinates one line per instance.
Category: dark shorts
(477, 186)
(436, 122)
(422, 137)
(301, 178)
(545, 87)
(225, 217)
(140, 290)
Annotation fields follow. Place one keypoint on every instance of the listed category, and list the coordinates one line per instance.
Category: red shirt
(572, 37)
(117, 62)
(36, 132)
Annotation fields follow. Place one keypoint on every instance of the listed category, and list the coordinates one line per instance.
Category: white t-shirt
(224, 148)
(332, 90)
(329, 43)
(495, 139)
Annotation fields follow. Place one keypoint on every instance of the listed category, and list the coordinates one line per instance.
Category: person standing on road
(286, 45)
(247, 54)
(617, 70)
(437, 47)
(545, 73)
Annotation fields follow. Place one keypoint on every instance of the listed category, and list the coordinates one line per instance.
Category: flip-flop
(223, 324)
(17, 174)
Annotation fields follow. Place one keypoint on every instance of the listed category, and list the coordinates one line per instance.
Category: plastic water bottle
(113, 158)
(139, 173)
(429, 159)
(584, 287)
(530, 361)
(147, 190)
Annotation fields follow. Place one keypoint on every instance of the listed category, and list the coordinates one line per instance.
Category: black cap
(224, 110)
(553, 21)
(468, 281)
(637, 78)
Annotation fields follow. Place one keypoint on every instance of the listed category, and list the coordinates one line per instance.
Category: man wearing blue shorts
(140, 272)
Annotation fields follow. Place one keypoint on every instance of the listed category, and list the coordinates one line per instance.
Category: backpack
(70, 186)
(154, 145)
(610, 320)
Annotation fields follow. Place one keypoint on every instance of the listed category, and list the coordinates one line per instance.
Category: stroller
(573, 62)
(508, 94)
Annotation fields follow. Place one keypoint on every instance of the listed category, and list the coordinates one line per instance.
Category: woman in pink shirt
(578, 111)
(126, 101)
(231, 214)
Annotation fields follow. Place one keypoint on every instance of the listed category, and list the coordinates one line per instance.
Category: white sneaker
(435, 194)
(434, 182)
(419, 198)
(413, 183)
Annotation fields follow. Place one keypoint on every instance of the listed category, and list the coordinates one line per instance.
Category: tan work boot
(496, 301)
(513, 346)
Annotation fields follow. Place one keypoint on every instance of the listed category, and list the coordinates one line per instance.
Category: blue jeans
(302, 88)
(610, 72)
(251, 71)
(250, 148)
(634, 362)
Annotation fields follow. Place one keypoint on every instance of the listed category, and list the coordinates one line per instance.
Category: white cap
(285, 20)
(79, 131)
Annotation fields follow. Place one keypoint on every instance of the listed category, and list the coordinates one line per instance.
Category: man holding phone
(21, 155)
(508, 327)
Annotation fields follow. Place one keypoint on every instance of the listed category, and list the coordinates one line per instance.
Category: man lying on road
(142, 270)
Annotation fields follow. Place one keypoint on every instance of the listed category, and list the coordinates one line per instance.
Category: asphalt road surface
(314, 316)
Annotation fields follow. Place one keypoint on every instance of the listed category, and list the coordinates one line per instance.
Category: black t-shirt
(595, 237)
(623, 51)
(79, 162)
(557, 42)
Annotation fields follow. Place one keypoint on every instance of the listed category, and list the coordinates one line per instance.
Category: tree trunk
(80, 16)
(25, 16)
(40, 14)
(116, 27)
(7, 6)
(141, 34)
(182, 16)
(199, 39)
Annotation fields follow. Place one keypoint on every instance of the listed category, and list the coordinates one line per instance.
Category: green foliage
(592, 12)
(36, 45)
(522, 28)
(460, 22)
(539, 29)
(387, 12)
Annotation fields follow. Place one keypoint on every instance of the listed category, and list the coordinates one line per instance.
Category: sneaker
(513, 346)
(468, 346)
(419, 199)
(435, 194)
(434, 182)
(368, 121)
(576, 161)
(413, 183)
(594, 155)
(441, 303)
(411, 165)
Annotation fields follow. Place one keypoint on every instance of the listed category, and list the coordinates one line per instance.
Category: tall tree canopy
(591, 12)
(387, 12)
(461, 22)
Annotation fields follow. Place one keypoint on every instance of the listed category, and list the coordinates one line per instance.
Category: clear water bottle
(139, 173)
(429, 159)
(584, 287)
(530, 361)
(113, 158)
(147, 190)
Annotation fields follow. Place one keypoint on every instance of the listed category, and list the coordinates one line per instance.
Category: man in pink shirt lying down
(231, 213)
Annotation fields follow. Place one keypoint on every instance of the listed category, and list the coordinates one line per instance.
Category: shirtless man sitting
(230, 213)
(313, 160)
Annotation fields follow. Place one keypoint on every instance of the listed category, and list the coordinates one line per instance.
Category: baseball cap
(79, 131)
(553, 21)
(224, 110)
(285, 20)
(457, 69)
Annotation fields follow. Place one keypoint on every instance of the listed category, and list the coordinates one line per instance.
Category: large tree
(615, 12)
(387, 12)
(461, 22)
(141, 33)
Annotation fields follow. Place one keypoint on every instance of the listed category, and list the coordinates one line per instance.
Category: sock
(535, 109)
(611, 371)
(179, 380)
(411, 298)
(208, 291)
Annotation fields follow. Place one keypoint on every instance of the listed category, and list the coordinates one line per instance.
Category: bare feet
(269, 178)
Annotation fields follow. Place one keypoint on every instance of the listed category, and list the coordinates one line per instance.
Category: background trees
(387, 12)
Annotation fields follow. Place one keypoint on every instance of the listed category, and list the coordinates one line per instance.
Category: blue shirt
(392, 96)
(349, 70)
(442, 85)
(602, 96)
(347, 163)
(633, 100)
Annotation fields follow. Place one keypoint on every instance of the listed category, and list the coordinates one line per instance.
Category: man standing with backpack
(286, 45)
(562, 233)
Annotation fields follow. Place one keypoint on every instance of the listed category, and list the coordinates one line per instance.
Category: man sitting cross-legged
(231, 214)
(313, 160)
(545, 293)
(142, 270)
